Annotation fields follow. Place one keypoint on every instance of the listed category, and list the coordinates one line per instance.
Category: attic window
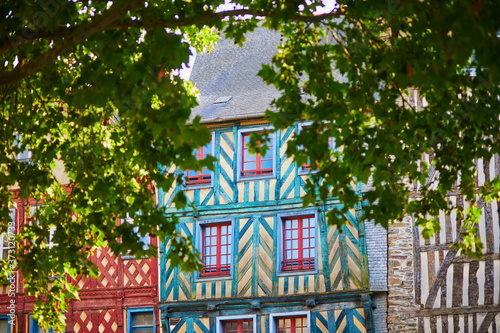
(222, 100)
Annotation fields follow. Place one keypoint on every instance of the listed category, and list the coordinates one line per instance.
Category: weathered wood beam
(461, 310)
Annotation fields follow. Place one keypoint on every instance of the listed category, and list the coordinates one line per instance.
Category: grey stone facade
(401, 296)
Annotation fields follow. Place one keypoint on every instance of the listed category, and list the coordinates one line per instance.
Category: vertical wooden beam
(255, 256)
(278, 143)
(323, 235)
(216, 181)
(236, 259)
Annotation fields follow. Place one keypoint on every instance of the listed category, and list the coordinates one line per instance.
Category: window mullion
(300, 232)
(258, 164)
(218, 247)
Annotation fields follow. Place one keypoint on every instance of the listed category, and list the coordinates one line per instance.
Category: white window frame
(279, 257)
(274, 316)
(5, 235)
(222, 319)
(24, 156)
(199, 245)
(239, 146)
(130, 221)
(212, 174)
(52, 229)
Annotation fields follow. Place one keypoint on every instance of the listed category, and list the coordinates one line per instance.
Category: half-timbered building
(435, 288)
(269, 264)
(123, 299)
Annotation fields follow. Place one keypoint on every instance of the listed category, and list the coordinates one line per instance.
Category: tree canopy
(95, 84)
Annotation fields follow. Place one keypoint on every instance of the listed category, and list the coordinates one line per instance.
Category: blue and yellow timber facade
(256, 288)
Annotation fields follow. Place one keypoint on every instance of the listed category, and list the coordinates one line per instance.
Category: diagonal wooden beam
(438, 281)
(487, 321)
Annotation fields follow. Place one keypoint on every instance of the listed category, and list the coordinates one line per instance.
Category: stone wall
(400, 278)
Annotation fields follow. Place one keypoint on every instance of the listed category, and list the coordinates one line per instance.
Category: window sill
(297, 272)
(201, 279)
(245, 178)
(197, 186)
(131, 257)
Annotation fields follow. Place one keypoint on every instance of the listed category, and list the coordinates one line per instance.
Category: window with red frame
(299, 243)
(237, 326)
(255, 165)
(216, 249)
(331, 145)
(205, 175)
(291, 324)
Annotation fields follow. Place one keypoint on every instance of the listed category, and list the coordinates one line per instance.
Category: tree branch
(111, 20)
(80, 34)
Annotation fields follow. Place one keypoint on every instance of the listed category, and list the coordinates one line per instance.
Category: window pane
(249, 166)
(216, 249)
(148, 319)
(3, 325)
(268, 164)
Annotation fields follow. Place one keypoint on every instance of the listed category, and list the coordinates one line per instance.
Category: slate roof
(231, 71)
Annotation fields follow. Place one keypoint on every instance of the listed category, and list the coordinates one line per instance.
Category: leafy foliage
(93, 86)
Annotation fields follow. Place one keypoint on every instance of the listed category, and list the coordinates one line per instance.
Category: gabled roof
(227, 78)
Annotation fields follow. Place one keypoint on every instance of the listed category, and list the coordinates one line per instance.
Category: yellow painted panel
(245, 259)
(342, 325)
(359, 325)
(268, 261)
(301, 284)
(272, 190)
(203, 195)
(335, 272)
(251, 191)
(331, 232)
(229, 191)
(320, 325)
(266, 281)
(190, 195)
(218, 289)
(244, 281)
(287, 183)
(205, 321)
(241, 192)
(352, 229)
(322, 287)
(311, 283)
(198, 290)
(182, 296)
(333, 250)
(170, 296)
(286, 165)
(182, 328)
(248, 234)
